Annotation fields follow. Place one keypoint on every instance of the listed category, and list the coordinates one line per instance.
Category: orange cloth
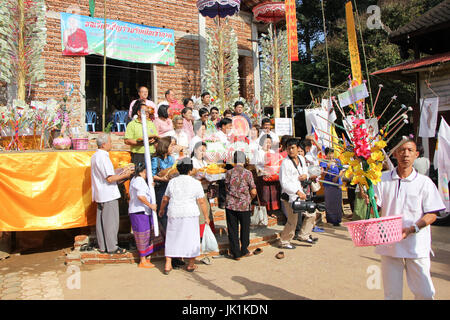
(48, 190)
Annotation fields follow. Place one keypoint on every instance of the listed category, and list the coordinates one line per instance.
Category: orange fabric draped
(48, 190)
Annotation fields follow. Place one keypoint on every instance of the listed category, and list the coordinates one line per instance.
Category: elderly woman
(241, 190)
(133, 134)
(163, 124)
(184, 196)
(139, 210)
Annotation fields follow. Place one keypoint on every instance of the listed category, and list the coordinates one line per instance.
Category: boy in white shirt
(403, 191)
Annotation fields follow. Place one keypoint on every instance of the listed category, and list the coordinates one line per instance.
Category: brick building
(122, 77)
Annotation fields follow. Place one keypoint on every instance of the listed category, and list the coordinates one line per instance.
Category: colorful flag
(353, 43)
(291, 24)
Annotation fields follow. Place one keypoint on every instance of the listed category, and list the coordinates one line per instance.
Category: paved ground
(331, 269)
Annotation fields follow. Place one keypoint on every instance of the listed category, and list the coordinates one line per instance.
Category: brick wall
(179, 15)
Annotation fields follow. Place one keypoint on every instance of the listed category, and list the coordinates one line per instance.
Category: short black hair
(265, 120)
(184, 165)
(420, 149)
(206, 93)
(202, 111)
(198, 145)
(185, 110)
(224, 122)
(167, 92)
(137, 107)
(307, 143)
(214, 108)
(238, 103)
(291, 142)
(163, 111)
(186, 101)
(227, 111)
(139, 168)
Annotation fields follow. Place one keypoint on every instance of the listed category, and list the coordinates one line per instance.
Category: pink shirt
(188, 128)
(163, 126)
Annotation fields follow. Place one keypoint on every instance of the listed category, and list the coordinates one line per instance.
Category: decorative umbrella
(272, 12)
(219, 9)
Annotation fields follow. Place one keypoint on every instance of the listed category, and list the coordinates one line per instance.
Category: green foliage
(269, 84)
(228, 88)
(35, 34)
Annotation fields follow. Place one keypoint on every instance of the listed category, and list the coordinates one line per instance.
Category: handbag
(209, 242)
(259, 215)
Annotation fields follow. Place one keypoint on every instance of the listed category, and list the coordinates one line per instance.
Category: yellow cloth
(353, 43)
(48, 190)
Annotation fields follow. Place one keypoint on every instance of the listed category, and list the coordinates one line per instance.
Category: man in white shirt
(265, 129)
(312, 151)
(143, 95)
(403, 191)
(106, 194)
(293, 171)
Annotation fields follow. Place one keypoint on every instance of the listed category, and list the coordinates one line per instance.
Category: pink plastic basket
(80, 143)
(377, 231)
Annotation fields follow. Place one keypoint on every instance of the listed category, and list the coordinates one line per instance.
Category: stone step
(259, 237)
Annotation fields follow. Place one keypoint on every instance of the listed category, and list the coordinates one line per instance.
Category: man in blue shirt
(239, 111)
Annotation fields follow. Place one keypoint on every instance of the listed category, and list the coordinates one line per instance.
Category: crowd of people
(271, 171)
(260, 174)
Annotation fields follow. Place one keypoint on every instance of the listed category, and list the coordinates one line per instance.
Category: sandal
(146, 265)
(257, 251)
(118, 251)
(280, 255)
(166, 272)
(206, 261)
(194, 267)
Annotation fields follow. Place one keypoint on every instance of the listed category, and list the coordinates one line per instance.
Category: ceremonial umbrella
(272, 12)
(219, 9)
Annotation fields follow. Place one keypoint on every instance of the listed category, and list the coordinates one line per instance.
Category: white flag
(442, 162)
(428, 117)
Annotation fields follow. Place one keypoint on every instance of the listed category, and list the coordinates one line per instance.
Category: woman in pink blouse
(188, 126)
(163, 124)
(241, 190)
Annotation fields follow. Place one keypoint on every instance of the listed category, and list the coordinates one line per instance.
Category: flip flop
(146, 266)
(280, 255)
(194, 267)
(257, 251)
(206, 261)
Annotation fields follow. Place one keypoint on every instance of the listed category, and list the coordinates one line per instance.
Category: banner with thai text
(353, 43)
(291, 24)
(82, 35)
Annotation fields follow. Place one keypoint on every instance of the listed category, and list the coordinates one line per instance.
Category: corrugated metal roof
(414, 64)
(440, 14)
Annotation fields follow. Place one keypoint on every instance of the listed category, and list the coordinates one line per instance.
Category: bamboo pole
(221, 66)
(104, 70)
(21, 54)
(276, 106)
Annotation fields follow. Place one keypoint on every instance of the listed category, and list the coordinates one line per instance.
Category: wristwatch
(416, 228)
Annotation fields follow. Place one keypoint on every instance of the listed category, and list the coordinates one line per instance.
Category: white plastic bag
(259, 216)
(209, 242)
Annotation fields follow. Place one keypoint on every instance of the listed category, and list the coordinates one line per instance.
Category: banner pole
(104, 69)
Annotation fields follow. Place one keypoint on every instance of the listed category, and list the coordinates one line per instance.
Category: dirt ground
(331, 269)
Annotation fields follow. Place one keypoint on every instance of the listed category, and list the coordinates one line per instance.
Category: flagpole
(104, 69)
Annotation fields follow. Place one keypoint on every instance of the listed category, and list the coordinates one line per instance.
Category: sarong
(144, 234)
(333, 204)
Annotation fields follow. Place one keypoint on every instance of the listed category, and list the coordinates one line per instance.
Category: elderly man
(143, 95)
(106, 194)
(403, 191)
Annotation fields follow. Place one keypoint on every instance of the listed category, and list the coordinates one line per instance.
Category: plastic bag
(209, 242)
(259, 216)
